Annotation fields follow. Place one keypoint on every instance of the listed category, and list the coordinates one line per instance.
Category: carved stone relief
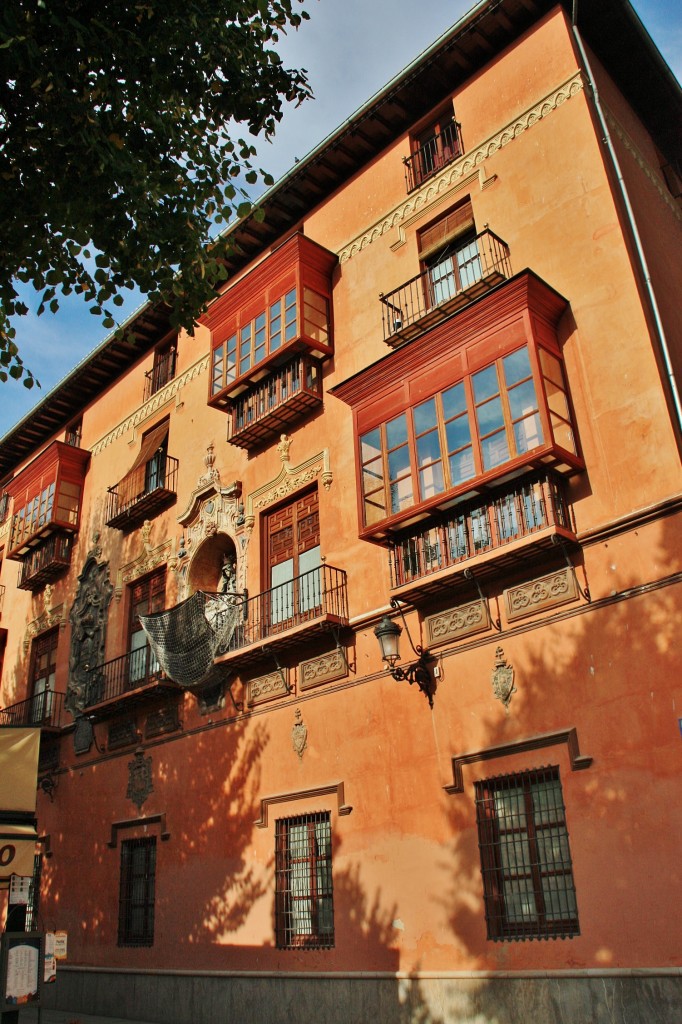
(140, 784)
(151, 557)
(299, 734)
(48, 618)
(88, 617)
(455, 623)
(267, 687)
(289, 479)
(503, 678)
(538, 595)
(322, 669)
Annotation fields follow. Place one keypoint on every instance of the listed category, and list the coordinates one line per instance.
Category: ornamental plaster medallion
(299, 734)
(139, 779)
(503, 678)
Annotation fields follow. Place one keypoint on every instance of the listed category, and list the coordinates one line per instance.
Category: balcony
(486, 535)
(45, 563)
(161, 373)
(437, 152)
(44, 709)
(131, 678)
(456, 280)
(266, 409)
(289, 615)
(143, 493)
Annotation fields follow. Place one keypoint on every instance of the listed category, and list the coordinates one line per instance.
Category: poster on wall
(21, 960)
(50, 965)
(20, 889)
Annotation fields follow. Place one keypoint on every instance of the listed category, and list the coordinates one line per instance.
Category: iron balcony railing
(142, 490)
(318, 593)
(483, 259)
(161, 373)
(120, 676)
(45, 562)
(519, 511)
(45, 709)
(437, 152)
(282, 397)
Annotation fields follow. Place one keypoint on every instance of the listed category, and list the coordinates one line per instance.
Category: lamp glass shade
(388, 634)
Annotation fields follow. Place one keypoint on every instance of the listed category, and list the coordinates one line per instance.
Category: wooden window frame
(525, 857)
(304, 892)
(128, 935)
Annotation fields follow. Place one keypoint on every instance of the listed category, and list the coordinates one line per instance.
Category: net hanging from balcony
(185, 638)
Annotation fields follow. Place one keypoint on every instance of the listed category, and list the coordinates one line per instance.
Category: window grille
(136, 894)
(33, 905)
(304, 905)
(525, 857)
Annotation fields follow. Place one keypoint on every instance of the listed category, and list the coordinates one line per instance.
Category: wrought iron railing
(120, 676)
(315, 594)
(141, 484)
(160, 374)
(480, 258)
(46, 561)
(45, 709)
(437, 152)
(518, 511)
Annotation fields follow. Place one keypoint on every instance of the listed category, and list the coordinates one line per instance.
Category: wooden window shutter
(454, 223)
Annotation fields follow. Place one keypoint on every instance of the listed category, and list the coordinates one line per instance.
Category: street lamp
(388, 634)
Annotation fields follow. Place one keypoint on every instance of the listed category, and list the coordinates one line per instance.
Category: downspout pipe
(658, 323)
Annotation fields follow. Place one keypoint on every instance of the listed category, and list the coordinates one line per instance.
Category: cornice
(162, 397)
(642, 162)
(466, 170)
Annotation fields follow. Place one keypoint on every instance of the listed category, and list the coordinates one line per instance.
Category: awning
(19, 750)
(17, 850)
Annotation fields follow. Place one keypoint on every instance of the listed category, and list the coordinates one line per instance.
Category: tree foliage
(122, 144)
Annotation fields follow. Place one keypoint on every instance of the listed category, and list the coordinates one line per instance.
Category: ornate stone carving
(267, 687)
(503, 678)
(449, 180)
(161, 721)
(556, 588)
(88, 617)
(289, 479)
(123, 734)
(140, 784)
(48, 618)
(455, 623)
(164, 396)
(150, 558)
(323, 669)
(299, 734)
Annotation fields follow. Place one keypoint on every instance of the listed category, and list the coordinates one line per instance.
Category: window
(465, 431)
(525, 857)
(304, 905)
(162, 371)
(449, 253)
(432, 148)
(136, 893)
(74, 433)
(146, 597)
(293, 559)
(42, 675)
(270, 330)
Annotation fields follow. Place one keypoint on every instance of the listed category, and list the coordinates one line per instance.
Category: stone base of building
(634, 997)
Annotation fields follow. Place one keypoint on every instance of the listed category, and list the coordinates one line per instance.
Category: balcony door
(146, 597)
(43, 672)
(293, 560)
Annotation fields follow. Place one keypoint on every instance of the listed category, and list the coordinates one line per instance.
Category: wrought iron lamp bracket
(583, 591)
(420, 672)
(468, 575)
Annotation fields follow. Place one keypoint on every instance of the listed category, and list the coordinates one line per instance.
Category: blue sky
(350, 48)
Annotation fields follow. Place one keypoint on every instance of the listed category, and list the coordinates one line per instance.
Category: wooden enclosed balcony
(487, 534)
(266, 409)
(44, 709)
(46, 562)
(289, 615)
(463, 275)
(131, 678)
(143, 493)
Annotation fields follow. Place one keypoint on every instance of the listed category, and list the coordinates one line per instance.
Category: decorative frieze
(323, 669)
(267, 687)
(150, 558)
(161, 721)
(538, 595)
(48, 618)
(122, 734)
(455, 623)
(450, 179)
(289, 479)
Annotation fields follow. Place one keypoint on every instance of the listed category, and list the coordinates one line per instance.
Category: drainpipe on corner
(663, 344)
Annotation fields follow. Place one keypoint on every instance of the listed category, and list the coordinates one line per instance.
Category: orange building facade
(435, 405)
